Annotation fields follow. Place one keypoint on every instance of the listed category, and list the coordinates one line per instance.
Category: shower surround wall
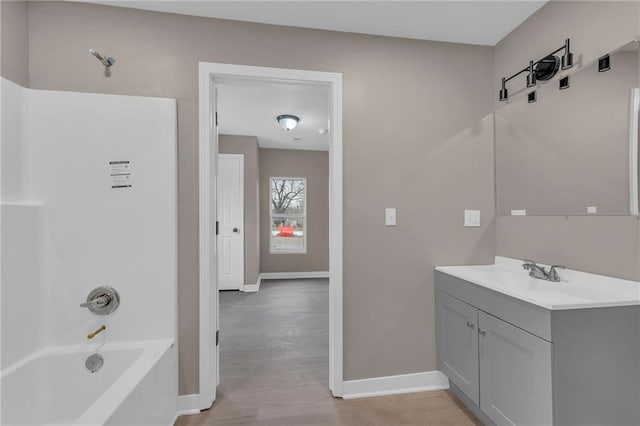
(22, 280)
(66, 230)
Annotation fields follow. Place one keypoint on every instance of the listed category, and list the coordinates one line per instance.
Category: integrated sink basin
(576, 290)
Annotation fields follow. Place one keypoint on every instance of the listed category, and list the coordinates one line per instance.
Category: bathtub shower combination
(89, 262)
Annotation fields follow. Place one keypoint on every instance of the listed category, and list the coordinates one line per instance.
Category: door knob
(470, 324)
(482, 331)
(236, 230)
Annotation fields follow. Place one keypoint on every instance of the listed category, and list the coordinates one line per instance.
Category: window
(288, 215)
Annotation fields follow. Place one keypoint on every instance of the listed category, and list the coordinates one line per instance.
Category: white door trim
(633, 153)
(208, 148)
(242, 230)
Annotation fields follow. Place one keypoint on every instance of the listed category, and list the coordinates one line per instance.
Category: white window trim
(304, 224)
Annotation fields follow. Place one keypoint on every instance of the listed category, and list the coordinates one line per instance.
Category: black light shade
(531, 77)
(504, 93)
(564, 83)
(604, 63)
(531, 97)
(567, 58)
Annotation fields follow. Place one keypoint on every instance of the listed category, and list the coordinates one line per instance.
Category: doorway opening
(287, 226)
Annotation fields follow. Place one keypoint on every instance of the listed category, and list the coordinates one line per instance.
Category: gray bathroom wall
(314, 166)
(418, 136)
(14, 42)
(606, 245)
(248, 146)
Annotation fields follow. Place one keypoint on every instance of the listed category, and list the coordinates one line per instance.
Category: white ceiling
(250, 108)
(472, 22)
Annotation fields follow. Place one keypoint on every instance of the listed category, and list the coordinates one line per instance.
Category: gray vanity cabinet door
(457, 343)
(515, 374)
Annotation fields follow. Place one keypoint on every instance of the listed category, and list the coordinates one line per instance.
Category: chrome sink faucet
(537, 271)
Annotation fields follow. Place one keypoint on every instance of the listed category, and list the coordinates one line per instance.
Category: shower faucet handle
(98, 302)
(102, 300)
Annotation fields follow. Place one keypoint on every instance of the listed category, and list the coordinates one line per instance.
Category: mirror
(571, 151)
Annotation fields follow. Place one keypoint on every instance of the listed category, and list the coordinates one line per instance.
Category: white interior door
(230, 222)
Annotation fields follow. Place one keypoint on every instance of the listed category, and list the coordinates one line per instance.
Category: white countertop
(576, 290)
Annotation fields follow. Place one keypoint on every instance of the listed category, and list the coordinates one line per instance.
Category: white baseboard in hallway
(188, 404)
(252, 288)
(293, 275)
(394, 385)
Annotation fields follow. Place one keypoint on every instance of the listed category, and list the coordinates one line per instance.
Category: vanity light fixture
(287, 121)
(542, 69)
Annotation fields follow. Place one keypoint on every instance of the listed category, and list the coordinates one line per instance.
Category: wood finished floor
(274, 368)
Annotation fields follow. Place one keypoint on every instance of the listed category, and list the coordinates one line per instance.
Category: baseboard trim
(293, 275)
(188, 404)
(252, 288)
(394, 385)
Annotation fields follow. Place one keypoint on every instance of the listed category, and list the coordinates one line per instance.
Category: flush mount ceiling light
(287, 121)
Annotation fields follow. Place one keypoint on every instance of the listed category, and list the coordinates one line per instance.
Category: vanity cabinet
(515, 363)
(494, 363)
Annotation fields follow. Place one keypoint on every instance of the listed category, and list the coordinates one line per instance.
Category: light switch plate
(592, 209)
(390, 217)
(518, 212)
(472, 218)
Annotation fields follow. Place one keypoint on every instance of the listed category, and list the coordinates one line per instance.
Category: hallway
(274, 367)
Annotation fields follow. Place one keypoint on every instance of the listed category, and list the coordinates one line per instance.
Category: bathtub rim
(107, 403)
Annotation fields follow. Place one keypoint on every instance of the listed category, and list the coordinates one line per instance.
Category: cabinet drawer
(532, 318)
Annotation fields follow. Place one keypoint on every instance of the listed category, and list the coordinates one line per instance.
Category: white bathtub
(137, 385)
